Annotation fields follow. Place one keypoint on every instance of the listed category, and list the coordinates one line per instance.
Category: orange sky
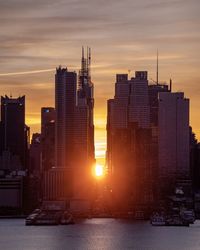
(123, 35)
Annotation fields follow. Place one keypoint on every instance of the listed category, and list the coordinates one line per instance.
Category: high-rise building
(35, 155)
(173, 139)
(74, 132)
(139, 109)
(65, 103)
(47, 138)
(129, 140)
(84, 130)
(154, 90)
(47, 116)
(85, 106)
(15, 134)
(121, 101)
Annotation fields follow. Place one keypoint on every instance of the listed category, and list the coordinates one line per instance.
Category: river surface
(92, 234)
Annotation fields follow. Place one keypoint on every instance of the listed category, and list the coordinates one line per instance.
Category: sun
(98, 170)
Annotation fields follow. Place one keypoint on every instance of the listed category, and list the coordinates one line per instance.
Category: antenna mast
(157, 69)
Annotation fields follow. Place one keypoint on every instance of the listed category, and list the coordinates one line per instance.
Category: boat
(30, 220)
(176, 220)
(158, 220)
(188, 215)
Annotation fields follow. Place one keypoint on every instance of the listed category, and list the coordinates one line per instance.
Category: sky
(37, 36)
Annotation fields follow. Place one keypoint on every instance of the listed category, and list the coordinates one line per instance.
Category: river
(97, 234)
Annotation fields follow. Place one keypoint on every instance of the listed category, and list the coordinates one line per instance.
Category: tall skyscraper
(173, 120)
(47, 115)
(15, 134)
(35, 155)
(65, 103)
(85, 108)
(154, 90)
(47, 138)
(139, 109)
(74, 134)
(128, 141)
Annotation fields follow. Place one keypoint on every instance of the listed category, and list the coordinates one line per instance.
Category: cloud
(124, 35)
(27, 72)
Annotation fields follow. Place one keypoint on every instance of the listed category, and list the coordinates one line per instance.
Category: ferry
(176, 220)
(168, 220)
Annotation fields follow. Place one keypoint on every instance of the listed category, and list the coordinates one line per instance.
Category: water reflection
(97, 234)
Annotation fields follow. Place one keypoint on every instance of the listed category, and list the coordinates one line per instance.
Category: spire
(170, 85)
(82, 52)
(157, 69)
(89, 56)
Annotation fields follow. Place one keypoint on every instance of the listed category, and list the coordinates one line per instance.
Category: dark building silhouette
(147, 142)
(194, 161)
(154, 90)
(14, 132)
(47, 138)
(129, 143)
(47, 116)
(14, 155)
(65, 103)
(173, 139)
(35, 155)
(86, 99)
(74, 135)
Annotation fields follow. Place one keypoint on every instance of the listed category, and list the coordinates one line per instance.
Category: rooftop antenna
(82, 58)
(170, 85)
(82, 52)
(89, 57)
(157, 69)
(89, 63)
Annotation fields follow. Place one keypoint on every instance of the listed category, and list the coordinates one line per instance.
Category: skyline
(40, 36)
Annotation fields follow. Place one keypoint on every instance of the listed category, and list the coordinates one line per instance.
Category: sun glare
(98, 170)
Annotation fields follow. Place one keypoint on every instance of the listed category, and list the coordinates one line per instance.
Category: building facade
(65, 103)
(173, 140)
(129, 142)
(15, 134)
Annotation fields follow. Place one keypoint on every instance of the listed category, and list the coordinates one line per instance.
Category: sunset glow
(98, 170)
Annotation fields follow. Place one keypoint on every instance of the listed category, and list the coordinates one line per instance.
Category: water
(98, 234)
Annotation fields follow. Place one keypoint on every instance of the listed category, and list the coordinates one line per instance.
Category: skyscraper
(139, 109)
(65, 103)
(128, 141)
(47, 115)
(86, 99)
(15, 134)
(74, 133)
(154, 90)
(173, 140)
(84, 130)
(47, 138)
